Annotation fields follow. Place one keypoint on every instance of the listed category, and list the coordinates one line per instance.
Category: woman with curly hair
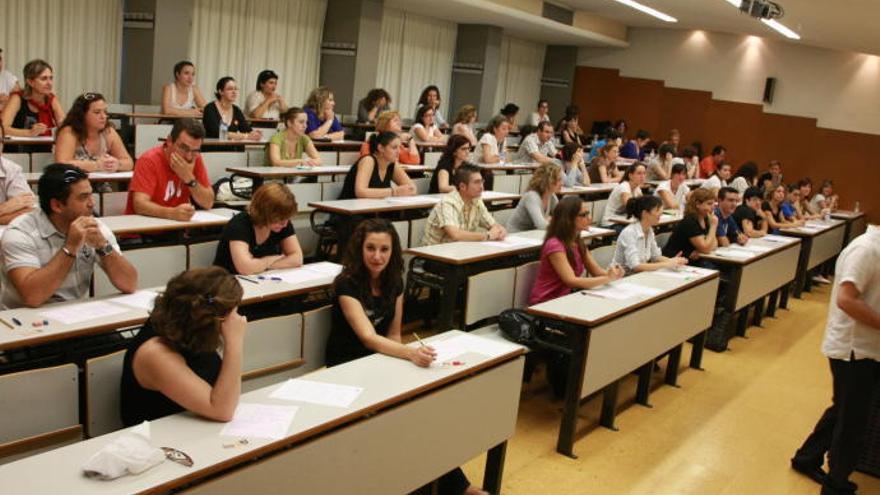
(536, 204)
(322, 121)
(86, 139)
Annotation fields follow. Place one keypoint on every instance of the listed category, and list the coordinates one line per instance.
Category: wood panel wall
(850, 159)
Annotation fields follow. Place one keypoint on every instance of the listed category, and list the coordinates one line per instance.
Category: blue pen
(45, 322)
(16, 321)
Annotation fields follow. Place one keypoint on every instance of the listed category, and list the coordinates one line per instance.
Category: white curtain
(81, 40)
(519, 73)
(414, 52)
(240, 38)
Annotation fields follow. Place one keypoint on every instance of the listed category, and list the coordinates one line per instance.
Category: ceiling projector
(761, 9)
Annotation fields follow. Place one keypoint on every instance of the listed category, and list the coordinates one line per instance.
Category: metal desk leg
(609, 405)
(783, 296)
(643, 390)
(580, 342)
(742, 322)
(759, 312)
(445, 318)
(771, 303)
(697, 342)
(494, 468)
(672, 364)
(802, 277)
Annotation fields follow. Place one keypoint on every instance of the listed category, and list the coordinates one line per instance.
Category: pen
(421, 343)
(16, 321)
(7, 324)
(263, 277)
(248, 279)
(592, 294)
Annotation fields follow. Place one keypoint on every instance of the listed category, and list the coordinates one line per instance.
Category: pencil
(7, 324)
(242, 277)
(421, 343)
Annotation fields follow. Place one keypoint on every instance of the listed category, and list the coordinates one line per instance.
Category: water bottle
(857, 209)
(224, 131)
(827, 217)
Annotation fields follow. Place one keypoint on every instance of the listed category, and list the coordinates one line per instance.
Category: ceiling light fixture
(783, 30)
(766, 11)
(648, 10)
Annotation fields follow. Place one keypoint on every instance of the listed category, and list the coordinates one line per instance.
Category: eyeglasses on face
(186, 149)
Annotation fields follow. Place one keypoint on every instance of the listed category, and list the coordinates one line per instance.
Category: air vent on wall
(137, 20)
(338, 48)
(557, 13)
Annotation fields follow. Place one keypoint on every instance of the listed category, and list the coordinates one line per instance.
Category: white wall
(840, 89)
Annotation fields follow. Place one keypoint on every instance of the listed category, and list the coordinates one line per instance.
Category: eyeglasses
(186, 149)
(70, 176)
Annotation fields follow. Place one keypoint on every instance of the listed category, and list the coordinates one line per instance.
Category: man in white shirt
(852, 345)
(8, 83)
(537, 147)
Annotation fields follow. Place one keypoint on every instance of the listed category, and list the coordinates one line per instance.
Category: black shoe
(811, 471)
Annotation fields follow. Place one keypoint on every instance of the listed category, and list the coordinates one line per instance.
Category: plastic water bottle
(224, 131)
(857, 209)
(827, 217)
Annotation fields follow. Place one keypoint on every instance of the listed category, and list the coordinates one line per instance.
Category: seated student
(775, 214)
(265, 102)
(696, 233)
(673, 139)
(457, 151)
(609, 136)
(825, 199)
(691, 159)
(660, 168)
(172, 365)
(565, 256)
(746, 176)
(719, 178)
(372, 175)
(223, 119)
(574, 171)
(368, 311)
(772, 177)
(637, 250)
(8, 83)
(49, 254)
(182, 97)
(464, 123)
(510, 112)
(461, 215)
(633, 148)
(541, 114)
(322, 121)
(16, 196)
(374, 104)
(165, 177)
(424, 128)
(570, 130)
(710, 164)
(430, 98)
(674, 192)
(292, 147)
(87, 140)
(749, 216)
(621, 127)
(630, 186)
(727, 231)
(261, 237)
(491, 147)
(803, 207)
(390, 122)
(537, 203)
(35, 110)
(537, 147)
(603, 168)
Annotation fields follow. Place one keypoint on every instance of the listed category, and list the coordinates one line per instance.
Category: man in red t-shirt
(709, 164)
(168, 176)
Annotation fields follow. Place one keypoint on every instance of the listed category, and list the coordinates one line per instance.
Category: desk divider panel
(305, 193)
(328, 157)
(423, 185)
(201, 254)
(23, 160)
(431, 158)
(317, 324)
(155, 266)
(506, 183)
(216, 163)
(147, 136)
(348, 157)
(103, 375)
(417, 231)
(488, 294)
(40, 160)
(330, 191)
(113, 203)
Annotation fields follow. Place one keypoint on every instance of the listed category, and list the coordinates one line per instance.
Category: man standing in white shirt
(8, 83)
(852, 345)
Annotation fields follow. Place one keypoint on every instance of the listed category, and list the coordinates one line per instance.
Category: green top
(280, 138)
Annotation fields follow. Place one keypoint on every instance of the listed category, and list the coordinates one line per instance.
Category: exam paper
(625, 290)
(687, 273)
(76, 313)
(260, 421)
(728, 252)
(298, 275)
(325, 394)
(453, 347)
(143, 299)
(413, 200)
(207, 216)
(325, 268)
(754, 248)
(513, 241)
(777, 238)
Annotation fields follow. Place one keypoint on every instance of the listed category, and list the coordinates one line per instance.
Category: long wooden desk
(261, 174)
(389, 423)
(856, 223)
(592, 191)
(667, 220)
(455, 261)
(140, 224)
(510, 168)
(121, 177)
(363, 206)
(26, 335)
(47, 141)
(609, 338)
(761, 267)
(821, 241)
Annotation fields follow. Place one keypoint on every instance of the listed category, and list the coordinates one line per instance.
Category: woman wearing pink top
(565, 256)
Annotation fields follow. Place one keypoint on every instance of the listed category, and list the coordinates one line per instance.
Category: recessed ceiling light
(785, 31)
(648, 10)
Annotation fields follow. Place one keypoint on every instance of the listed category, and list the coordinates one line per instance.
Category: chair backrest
(524, 180)
(40, 160)
(423, 185)
(316, 329)
(330, 191)
(272, 344)
(599, 210)
(603, 255)
(308, 239)
(102, 376)
(305, 193)
(256, 157)
(417, 231)
(328, 157)
(201, 254)
(217, 162)
(506, 184)
(348, 157)
(39, 408)
(431, 158)
(119, 108)
(155, 266)
(488, 294)
(147, 136)
(502, 216)
(113, 203)
(23, 160)
(662, 239)
(525, 279)
(146, 109)
(402, 228)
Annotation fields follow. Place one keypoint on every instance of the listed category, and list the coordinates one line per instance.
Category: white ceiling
(849, 25)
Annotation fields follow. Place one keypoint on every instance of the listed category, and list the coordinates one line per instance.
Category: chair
(113, 203)
(308, 239)
(431, 158)
(328, 157)
(316, 329)
(155, 267)
(330, 191)
(524, 180)
(525, 279)
(506, 184)
(662, 239)
(598, 210)
(502, 216)
(402, 228)
(348, 157)
(488, 294)
(23, 160)
(147, 136)
(216, 163)
(417, 231)
(256, 157)
(102, 377)
(423, 185)
(272, 345)
(305, 193)
(40, 160)
(146, 109)
(40, 410)
(603, 255)
(201, 254)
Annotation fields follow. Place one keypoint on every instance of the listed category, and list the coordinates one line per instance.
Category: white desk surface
(508, 166)
(30, 140)
(601, 188)
(691, 183)
(462, 253)
(140, 224)
(364, 205)
(665, 219)
(275, 172)
(846, 214)
(821, 227)
(34, 177)
(777, 244)
(27, 335)
(590, 311)
(201, 439)
(343, 144)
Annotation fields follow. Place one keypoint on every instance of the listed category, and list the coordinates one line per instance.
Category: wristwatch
(191, 183)
(105, 250)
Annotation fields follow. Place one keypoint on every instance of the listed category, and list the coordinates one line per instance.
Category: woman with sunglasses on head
(87, 140)
(457, 151)
(172, 365)
(35, 110)
(223, 119)
(182, 98)
(565, 257)
(425, 130)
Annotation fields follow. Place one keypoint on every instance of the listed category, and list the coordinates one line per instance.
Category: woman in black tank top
(172, 365)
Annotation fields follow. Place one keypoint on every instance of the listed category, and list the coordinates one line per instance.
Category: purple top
(548, 285)
(314, 122)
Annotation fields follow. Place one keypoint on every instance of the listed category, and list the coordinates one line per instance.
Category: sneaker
(820, 279)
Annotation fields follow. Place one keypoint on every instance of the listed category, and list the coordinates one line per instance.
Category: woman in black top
(695, 234)
(261, 237)
(457, 151)
(224, 111)
(172, 365)
(372, 175)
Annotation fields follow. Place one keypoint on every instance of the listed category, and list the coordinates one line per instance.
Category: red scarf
(45, 115)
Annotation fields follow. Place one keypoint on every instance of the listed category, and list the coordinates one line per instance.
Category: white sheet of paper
(260, 421)
(413, 200)
(324, 267)
(493, 194)
(754, 248)
(111, 175)
(325, 394)
(625, 290)
(143, 299)
(207, 216)
(513, 241)
(76, 313)
(688, 273)
(777, 238)
(728, 252)
(298, 275)
(453, 347)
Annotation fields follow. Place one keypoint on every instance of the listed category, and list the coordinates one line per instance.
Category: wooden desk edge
(747, 261)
